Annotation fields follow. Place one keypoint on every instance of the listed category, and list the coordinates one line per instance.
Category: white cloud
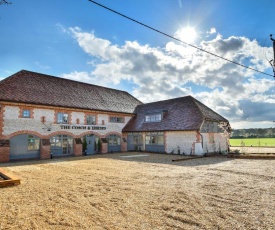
(178, 70)
(77, 76)
(212, 31)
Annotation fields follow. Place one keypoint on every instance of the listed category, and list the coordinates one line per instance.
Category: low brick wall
(45, 150)
(4, 150)
(77, 147)
(104, 147)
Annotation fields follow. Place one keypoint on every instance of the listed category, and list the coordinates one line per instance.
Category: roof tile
(35, 88)
(184, 113)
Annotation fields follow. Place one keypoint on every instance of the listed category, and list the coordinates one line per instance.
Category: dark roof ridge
(171, 99)
(194, 100)
(198, 102)
(65, 79)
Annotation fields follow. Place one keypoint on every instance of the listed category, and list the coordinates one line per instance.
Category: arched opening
(24, 146)
(61, 145)
(91, 144)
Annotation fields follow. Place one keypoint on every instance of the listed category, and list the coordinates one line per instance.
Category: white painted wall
(11, 112)
(78, 115)
(219, 145)
(183, 139)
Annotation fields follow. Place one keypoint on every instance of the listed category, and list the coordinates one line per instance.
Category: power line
(167, 35)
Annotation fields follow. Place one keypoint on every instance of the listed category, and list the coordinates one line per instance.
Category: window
(114, 140)
(61, 144)
(135, 140)
(154, 139)
(160, 140)
(33, 142)
(90, 120)
(62, 118)
(26, 113)
(117, 119)
(153, 117)
(56, 141)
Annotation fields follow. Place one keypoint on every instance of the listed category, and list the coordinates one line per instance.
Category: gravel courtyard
(140, 191)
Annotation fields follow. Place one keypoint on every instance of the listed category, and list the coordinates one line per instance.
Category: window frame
(154, 139)
(26, 113)
(58, 116)
(87, 119)
(154, 117)
(114, 140)
(116, 119)
(33, 143)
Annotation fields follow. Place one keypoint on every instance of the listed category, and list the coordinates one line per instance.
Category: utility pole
(272, 62)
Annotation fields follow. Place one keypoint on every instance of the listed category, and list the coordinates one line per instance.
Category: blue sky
(81, 41)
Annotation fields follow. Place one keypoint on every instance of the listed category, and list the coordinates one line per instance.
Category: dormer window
(153, 117)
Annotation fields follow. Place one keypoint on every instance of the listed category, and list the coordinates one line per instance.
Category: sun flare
(187, 34)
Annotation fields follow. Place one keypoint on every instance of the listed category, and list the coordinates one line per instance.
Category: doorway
(92, 145)
(61, 145)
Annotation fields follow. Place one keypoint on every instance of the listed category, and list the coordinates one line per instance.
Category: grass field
(253, 141)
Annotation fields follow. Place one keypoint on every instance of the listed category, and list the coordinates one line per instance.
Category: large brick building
(43, 116)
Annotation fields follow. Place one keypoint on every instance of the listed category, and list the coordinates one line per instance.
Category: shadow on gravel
(156, 158)
(142, 157)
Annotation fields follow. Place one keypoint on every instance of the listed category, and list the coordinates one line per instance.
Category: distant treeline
(253, 133)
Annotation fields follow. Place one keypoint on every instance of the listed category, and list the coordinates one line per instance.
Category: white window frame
(156, 117)
(114, 119)
(26, 113)
(62, 118)
(92, 121)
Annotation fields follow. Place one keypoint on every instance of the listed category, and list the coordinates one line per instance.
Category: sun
(187, 34)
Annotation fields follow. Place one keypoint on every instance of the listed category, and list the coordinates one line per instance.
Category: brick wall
(78, 115)
(45, 149)
(77, 147)
(4, 151)
(123, 143)
(104, 147)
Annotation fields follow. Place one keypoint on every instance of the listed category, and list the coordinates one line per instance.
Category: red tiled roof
(184, 113)
(35, 88)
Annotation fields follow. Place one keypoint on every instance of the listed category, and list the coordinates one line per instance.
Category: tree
(84, 145)
(98, 145)
(261, 132)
